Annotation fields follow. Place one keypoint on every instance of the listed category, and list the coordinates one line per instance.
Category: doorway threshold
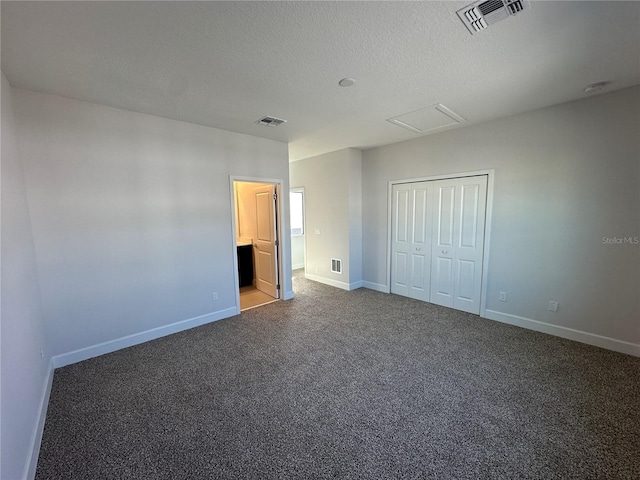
(251, 297)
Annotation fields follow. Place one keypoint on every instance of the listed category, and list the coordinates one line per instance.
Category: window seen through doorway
(297, 212)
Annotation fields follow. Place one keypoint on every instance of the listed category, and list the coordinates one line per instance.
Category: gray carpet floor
(337, 384)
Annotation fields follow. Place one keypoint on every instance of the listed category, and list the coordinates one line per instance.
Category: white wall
(355, 217)
(297, 251)
(333, 206)
(565, 177)
(131, 220)
(246, 219)
(25, 374)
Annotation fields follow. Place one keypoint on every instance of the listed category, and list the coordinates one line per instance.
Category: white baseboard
(568, 333)
(36, 436)
(297, 266)
(334, 283)
(141, 337)
(378, 287)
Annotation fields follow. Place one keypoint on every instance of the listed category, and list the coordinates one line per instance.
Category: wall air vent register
(336, 265)
(479, 15)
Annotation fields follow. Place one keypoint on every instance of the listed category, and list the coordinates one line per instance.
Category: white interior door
(410, 245)
(265, 245)
(442, 249)
(458, 245)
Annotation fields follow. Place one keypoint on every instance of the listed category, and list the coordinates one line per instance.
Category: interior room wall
(355, 217)
(567, 179)
(132, 220)
(297, 251)
(333, 203)
(246, 219)
(25, 359)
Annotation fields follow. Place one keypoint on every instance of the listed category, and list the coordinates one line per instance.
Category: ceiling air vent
(480, 15)
(270, 121)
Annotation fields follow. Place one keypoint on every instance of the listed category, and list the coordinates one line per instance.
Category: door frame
(278, 183)
(490, 173)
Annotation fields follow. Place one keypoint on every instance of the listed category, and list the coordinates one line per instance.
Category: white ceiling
(226, 64)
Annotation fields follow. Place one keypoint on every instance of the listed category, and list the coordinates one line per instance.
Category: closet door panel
(400, 236)
(411, 240)
(444, 216)
(470, 214)
(442, 248)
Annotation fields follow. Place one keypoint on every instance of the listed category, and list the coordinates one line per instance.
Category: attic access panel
(426, 119)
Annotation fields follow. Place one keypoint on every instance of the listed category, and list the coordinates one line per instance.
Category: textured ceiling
(227, 64)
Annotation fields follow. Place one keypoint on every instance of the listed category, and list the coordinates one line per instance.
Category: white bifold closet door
(411, 241)
(438, 241)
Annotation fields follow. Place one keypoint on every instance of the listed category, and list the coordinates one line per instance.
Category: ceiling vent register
(479, 15)
(270, 121)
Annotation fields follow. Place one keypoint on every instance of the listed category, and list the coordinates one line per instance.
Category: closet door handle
(444, 251)
(417, 249)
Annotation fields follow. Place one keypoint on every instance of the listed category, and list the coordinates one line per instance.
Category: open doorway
(257, 242)
(296, 218)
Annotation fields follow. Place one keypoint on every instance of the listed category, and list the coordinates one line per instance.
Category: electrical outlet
(214, 296)
(317, 231)
(553, 306)
(503, 296)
